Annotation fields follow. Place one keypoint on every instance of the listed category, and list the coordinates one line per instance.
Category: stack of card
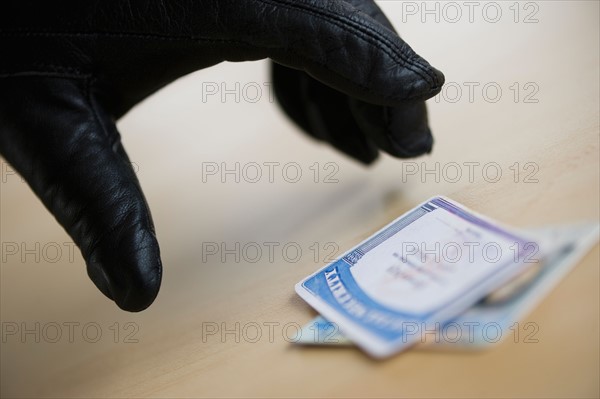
(439, 274)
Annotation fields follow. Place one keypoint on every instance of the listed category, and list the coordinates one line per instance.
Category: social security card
(494, 318)
(415, 274)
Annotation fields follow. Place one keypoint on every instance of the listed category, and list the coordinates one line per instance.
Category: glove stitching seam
(332, 18)
(79, 74)
(364, 35)
(53, 71)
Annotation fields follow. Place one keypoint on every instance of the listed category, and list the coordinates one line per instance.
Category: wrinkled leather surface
(69, 69)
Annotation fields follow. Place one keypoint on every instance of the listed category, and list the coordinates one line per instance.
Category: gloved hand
(69, 69)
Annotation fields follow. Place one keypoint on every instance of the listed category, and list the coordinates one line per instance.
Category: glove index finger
(340, 46)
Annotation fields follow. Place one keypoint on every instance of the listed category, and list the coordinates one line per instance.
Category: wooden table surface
(534, 107)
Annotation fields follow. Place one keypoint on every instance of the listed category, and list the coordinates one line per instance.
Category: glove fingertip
(426, 88)
(128, 271)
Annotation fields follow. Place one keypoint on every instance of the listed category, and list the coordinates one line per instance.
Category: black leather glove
(69, 69)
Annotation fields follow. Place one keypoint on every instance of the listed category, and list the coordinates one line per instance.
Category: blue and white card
(416, 274)
(493, 319)
(496, 319)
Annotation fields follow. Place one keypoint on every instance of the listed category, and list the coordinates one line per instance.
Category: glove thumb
(56, 134)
